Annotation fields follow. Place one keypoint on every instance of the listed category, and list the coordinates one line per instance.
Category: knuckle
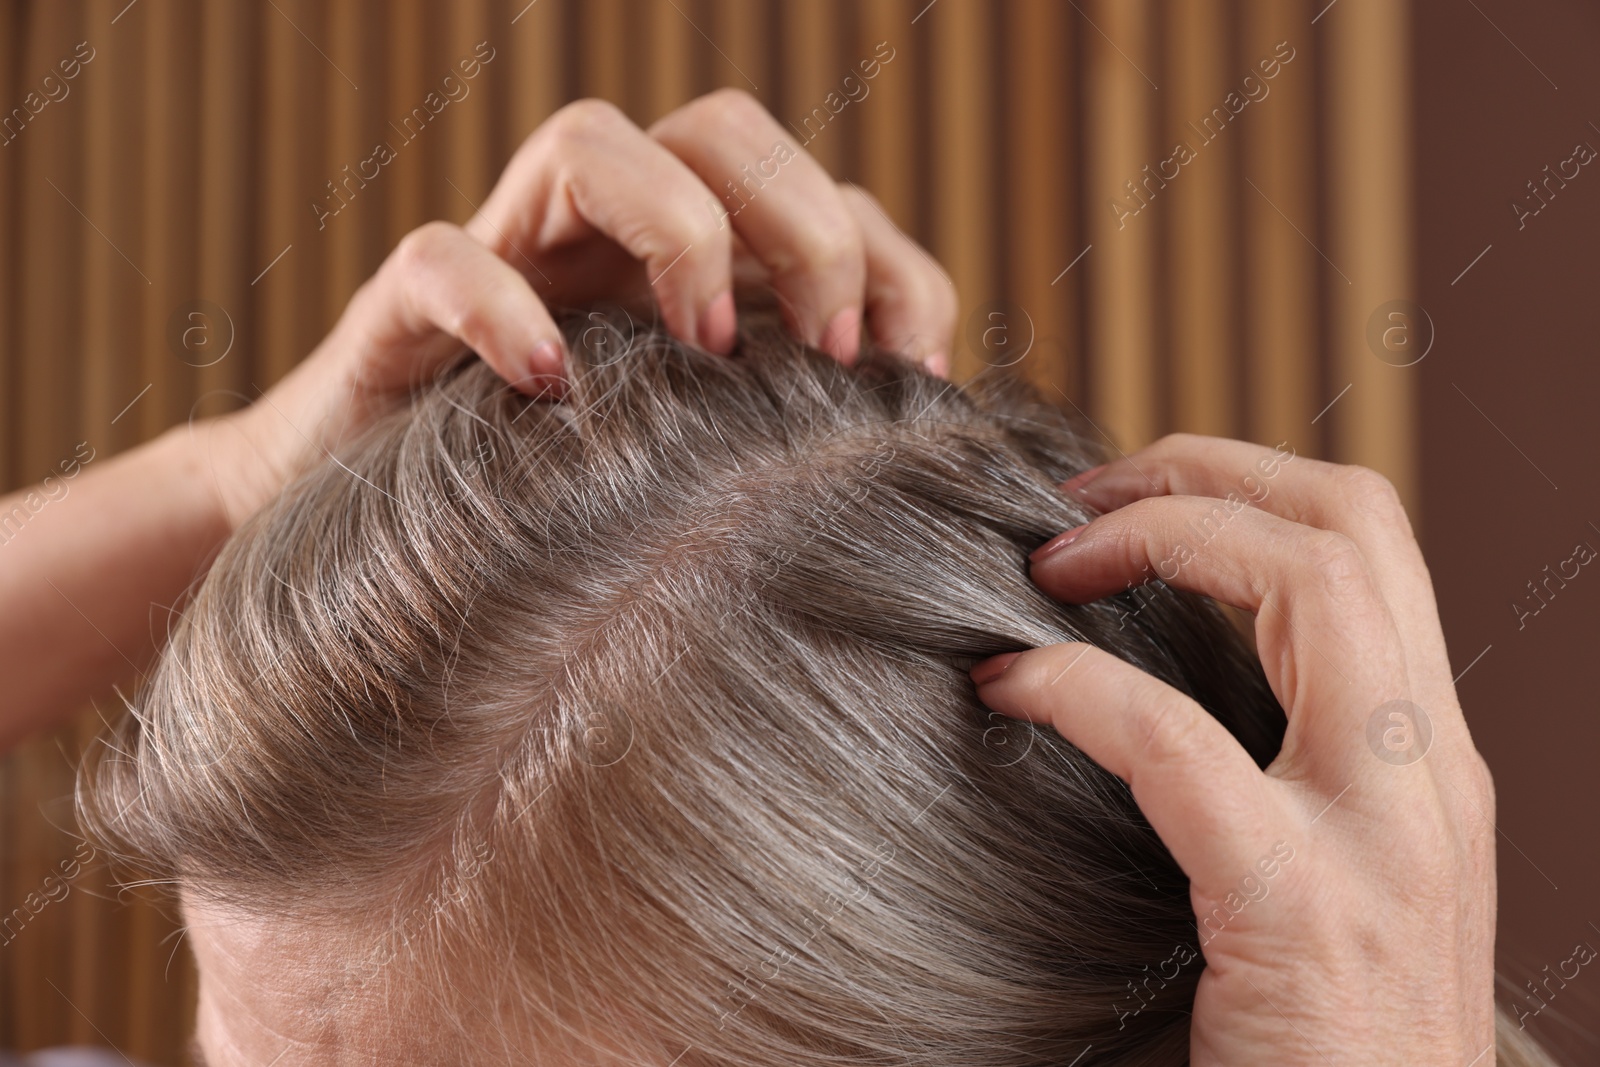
(1151, 513)
(855, 193)
(939, 290)
(729, 107)
(1481, 842)
(831, 245)
(669, 235)
(1168, 451)
(1369, 490)
(927, 283)
(1337, 563)
(418, 249)
(467, 322)
(1170, 736)
(928, 290)
(582, 120)
(1178, 441)
(1482, 781)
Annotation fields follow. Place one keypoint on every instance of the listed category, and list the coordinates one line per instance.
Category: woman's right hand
(1373, 829)
(592, 208)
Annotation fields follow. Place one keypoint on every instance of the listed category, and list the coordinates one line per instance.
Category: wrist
(242, 460)
(252, 453)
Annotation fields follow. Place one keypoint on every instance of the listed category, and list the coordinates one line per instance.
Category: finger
(785, 207)
(589, 170)
(441, 289)
(911, 302)
(1198, 787)
(1325, 637)
(1354, 501)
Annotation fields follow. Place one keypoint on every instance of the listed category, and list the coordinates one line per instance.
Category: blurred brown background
(1234, 294)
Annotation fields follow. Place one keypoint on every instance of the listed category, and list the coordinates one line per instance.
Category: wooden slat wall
(1119, 270)
(1370, 239)
(1282, 273)
(186, 157)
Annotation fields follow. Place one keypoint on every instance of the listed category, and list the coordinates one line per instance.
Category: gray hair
(645, 714)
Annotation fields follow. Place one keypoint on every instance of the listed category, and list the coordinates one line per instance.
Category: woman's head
(638, 725)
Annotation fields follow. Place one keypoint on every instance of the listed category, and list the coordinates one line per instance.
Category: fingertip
(1056, 544)
(842, 338)
(542, 386)
(1078, 482)
(992, 668)
(719, 324)
(542, 374)
(938, 365)
(547, 357)
(548, 354)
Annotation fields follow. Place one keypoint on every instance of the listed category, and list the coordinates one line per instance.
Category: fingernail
(992, 668)
(938, 365)
(1078, 481)
(548, 387)
(719, 324)
(1057, 543)
(843, 335)
(541, 385)
(545, 358)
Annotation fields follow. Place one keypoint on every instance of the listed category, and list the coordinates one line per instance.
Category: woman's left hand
(1374, 824)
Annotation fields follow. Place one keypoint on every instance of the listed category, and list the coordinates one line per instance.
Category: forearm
(88, 579)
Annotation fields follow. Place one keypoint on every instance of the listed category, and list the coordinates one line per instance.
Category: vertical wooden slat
(534, 65)
(347, 146)
(11, 19)
(225, 194)
(811, 70)
(1121, 265)
(429, 152)
(1282, 270)
(963, 183)
(112, 121)
(467, 147)
(741, 30)
(888, 127)
(276, 265)
(1197, 203)
(669, 38)
(50, 176)
(404, 186)
(1369, 134)
(1042, 230)
(170, 121)
(602, 25)
(296, 82)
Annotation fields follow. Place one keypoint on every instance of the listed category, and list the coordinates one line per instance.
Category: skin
(1375, 942)
(286, 994)
(1369, 961)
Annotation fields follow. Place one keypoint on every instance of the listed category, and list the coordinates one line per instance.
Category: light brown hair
(645, 714)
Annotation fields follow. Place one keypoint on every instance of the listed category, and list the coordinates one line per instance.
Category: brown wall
(1509, 432)
(183, 164)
